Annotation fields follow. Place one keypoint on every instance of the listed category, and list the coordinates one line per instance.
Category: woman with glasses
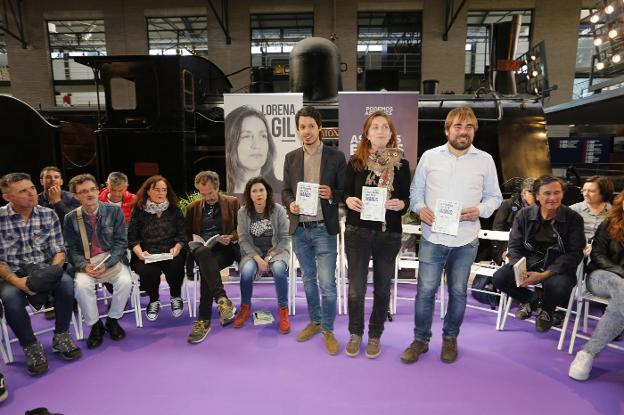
(157, 226)
(377, 169)
(606, 279)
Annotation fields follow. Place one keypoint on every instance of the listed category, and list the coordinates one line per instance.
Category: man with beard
(453, 186)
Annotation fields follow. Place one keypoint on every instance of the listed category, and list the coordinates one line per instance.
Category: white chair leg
(577, 320)
(586, 317)
(508, 302)
(501, 308)
(564, 328)
(7, 352)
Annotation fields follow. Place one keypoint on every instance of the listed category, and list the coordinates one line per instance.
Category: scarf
(381, 164)
(155, 208)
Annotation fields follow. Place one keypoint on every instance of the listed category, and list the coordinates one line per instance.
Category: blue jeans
(317, 250)
(433, 259)
(15, 300)
(279, 270)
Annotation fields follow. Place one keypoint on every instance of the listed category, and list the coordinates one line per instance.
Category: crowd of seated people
(56, 246)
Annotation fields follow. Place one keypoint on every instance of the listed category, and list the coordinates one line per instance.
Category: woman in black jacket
(377, 166)
(606, 279)
(157, 226)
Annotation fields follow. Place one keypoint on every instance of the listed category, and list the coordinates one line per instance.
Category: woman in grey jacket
(265, 248)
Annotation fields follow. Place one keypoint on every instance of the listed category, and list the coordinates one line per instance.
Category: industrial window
(272, 38)
(389, 50)
(478, 42)
(73, 82)
(5, 77)
(185, 35)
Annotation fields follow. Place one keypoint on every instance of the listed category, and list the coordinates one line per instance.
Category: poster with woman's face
(259, 131)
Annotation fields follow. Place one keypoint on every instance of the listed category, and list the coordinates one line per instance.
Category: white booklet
(307, 198)
(212, 241)
(262, 317)
(447, 214)
(158, 257)
(374, 203)
(520, 272)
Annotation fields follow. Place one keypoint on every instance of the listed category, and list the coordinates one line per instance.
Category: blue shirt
(32, 242)
(470, 179)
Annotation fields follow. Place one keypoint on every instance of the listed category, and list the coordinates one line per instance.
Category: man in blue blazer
(314, 235)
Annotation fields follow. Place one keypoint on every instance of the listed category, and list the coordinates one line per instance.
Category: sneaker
(309, 331)
(153, 308)
(581, 366)
(4, 392)
(284, 323)
(449, 350)
(373, 348)
(36, 362)
(177, 306)
(243, 316)
(62, 343)
(226, 311)
(413, 351)
(352, 349)
(544, 321)
(557, 318)
(524, 312)
(114, 329)
(96, 336)
(201, 328)
(331, 344)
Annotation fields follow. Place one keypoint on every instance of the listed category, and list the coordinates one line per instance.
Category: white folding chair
(6, 341)
(568, 311)
(583, 300)
(105, 296)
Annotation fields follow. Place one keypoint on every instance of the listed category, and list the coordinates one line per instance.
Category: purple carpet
(255, 370)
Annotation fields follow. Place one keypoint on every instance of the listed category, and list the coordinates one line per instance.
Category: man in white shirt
(464, 180)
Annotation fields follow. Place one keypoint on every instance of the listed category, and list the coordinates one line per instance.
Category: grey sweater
(281, 237)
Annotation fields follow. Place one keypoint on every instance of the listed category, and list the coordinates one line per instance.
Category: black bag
(483, 282)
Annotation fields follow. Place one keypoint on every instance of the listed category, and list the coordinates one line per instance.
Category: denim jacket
(111, 233)
(568, 251)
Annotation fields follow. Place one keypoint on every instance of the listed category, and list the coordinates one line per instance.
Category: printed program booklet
(212, 241)
(447, 214)
(307, 198)
(520, 271)
(158, 257)
(262, 317)
(374, 203)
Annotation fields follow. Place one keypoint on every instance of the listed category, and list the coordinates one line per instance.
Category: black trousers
(211, 261)
(557, 288)
(150, 275)
(360, 245)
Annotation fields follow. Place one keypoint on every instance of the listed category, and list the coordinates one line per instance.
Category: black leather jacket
(570, 238)
(606, 253)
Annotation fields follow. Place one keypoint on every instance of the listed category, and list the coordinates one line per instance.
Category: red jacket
(126, 201)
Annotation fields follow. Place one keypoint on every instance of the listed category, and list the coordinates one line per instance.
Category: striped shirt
(32, 242)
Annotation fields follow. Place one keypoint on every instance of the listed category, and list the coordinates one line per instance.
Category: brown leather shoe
(449, 349)
(284, 323)
(331, 344)
(308, 331)
(243, 316)
(413, 351)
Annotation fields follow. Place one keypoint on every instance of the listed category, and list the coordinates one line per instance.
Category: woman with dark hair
(250, 149)
(377, 163)
(265, 248)
(597, 193)
(157, 226)
(606, 279)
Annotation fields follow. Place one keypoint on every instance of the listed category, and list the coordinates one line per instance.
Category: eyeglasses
(87, 191)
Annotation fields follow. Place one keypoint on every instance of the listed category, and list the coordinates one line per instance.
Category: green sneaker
(227, 311)
(201, 328)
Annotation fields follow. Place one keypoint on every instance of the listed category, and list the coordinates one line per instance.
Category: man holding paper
(551, 238)
(213, 218)
(313, 186)
(453, 186)
(96, 238)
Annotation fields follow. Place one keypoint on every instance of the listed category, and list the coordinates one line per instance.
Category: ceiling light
(609, 9)
(600, 66)
(612, 33)
(616, 58)
(594, 18)
(597, 41)
(534, 74)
